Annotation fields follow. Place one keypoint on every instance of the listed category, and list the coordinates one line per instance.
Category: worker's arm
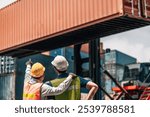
(47, 90)
(27, 73)
(28, 69)
(93, 89)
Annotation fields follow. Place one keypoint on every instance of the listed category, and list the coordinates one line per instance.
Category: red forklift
(135, 84)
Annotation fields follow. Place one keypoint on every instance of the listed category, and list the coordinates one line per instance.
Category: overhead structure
(29, 26)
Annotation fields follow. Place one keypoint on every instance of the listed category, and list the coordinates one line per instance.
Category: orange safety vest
(32, 91)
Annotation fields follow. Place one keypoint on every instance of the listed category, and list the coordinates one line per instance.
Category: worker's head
(37, 71)
(60, 64)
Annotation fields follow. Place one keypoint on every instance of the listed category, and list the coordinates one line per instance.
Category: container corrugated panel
(124, 59)
(110, 57)
(117, 71)
(29, 20)
(7, 65)
(7, 86)
(118, 58)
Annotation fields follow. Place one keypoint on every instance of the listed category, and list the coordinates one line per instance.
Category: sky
(4, 3)
(135, 43)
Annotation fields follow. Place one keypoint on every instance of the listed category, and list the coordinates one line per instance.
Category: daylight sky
(4, 3)
(135, 43)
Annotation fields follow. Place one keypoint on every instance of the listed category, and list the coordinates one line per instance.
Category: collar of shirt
(63, 75)
(33, 81)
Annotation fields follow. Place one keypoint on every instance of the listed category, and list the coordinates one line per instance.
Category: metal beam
(94, 61)
(77, 60)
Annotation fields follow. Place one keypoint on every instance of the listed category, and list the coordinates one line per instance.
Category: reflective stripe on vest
(32, 91)
(72, 93)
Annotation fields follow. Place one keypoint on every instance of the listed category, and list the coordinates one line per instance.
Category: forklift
(136, 77)
(136, 81)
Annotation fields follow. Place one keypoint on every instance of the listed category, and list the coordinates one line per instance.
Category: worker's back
(72, 93)
(32, 91)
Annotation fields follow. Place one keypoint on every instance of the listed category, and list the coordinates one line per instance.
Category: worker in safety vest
(35, 89)
(73, 92)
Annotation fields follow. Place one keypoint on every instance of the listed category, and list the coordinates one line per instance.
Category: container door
(7, 86)
(146, 8)
(7, 78)
(132, 7)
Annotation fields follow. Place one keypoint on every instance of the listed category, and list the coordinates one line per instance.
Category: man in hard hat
(73, 92)
(35, 89)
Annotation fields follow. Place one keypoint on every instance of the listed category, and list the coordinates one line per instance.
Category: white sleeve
(27, 73)
(47, 90)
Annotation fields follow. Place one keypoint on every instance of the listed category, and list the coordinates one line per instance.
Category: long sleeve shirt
(47, 90)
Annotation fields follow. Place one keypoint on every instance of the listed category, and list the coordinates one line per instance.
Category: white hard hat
(60, 63)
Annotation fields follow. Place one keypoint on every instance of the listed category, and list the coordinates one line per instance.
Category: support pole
(77, 60)
(94, 60)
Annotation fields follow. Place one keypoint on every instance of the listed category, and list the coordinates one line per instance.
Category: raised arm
(27, 71)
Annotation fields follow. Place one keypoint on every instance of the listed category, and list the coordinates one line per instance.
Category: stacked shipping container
(115, 62)
(27, 21)
(7, 78)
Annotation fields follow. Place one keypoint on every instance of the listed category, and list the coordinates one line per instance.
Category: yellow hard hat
(37, 70)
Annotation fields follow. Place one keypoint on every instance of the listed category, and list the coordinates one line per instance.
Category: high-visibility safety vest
(73, 91)
(32, 91)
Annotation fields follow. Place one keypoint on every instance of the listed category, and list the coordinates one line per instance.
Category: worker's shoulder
(48, 83)
(84, 81)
